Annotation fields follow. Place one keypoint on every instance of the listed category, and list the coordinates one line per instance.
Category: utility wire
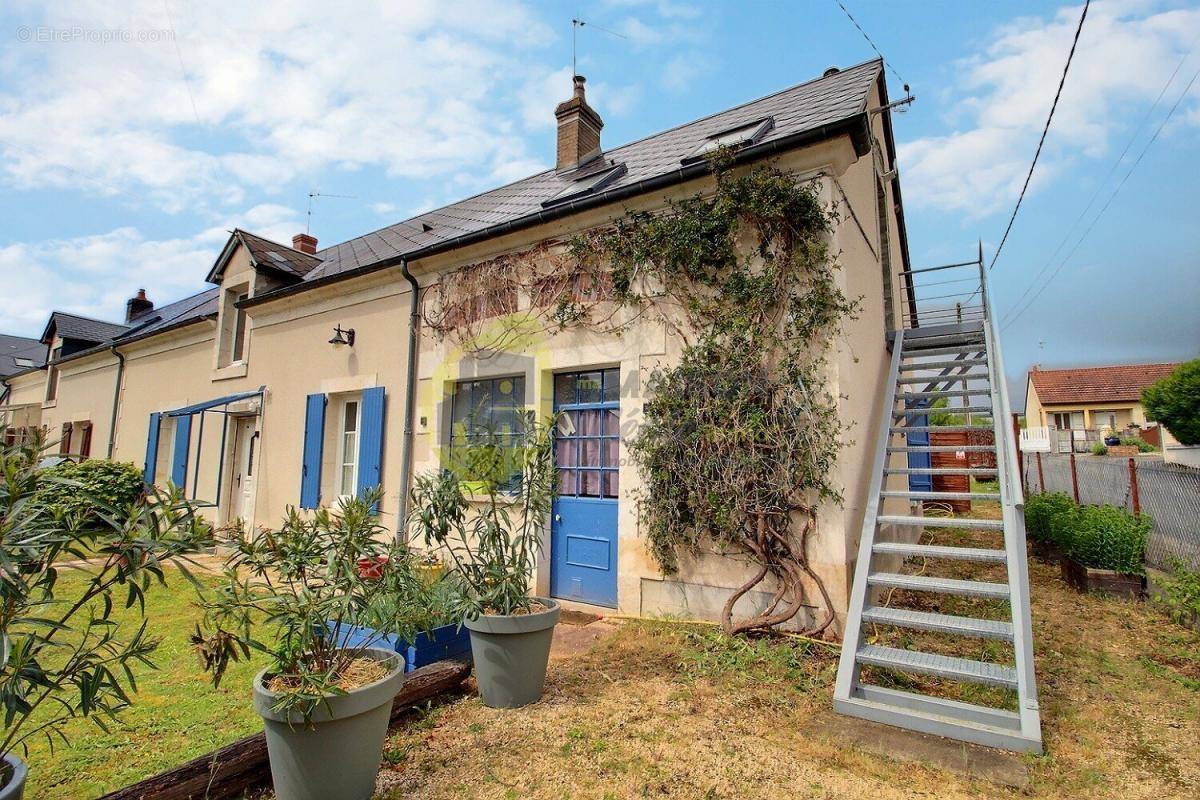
(1111, 197)
(1045, 130)
(886, 63)
(1111, 171)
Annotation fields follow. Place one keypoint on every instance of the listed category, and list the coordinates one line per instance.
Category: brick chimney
(137, 305)
(305, 243)
(578, 129)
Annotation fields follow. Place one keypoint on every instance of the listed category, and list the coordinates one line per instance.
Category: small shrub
(1181, 594)
(1141, 444)
(1099, 449)
(74, 490)
(1105, 537)
(1042, 515)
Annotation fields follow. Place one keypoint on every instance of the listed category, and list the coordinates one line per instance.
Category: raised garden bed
(1089, 579)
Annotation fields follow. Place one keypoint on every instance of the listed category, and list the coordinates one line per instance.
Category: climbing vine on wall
(740, 435)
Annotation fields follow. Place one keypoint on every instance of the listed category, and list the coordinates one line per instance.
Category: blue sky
(131, 141)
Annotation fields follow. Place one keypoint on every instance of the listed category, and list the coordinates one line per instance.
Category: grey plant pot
(15, 788)
(335, 755)
(511, 654)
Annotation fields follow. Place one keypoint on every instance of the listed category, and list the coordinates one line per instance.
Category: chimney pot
(137, 305)
(305, 243)
(578, 129)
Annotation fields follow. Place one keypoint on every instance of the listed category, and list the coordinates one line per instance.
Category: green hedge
(86, 484)
(1101, 537)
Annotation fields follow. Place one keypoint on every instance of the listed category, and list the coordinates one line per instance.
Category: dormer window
(234, 327)
(741, 136)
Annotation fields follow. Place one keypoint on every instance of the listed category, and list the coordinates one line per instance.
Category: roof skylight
(23, 362)
(588, 184)
(737, 137)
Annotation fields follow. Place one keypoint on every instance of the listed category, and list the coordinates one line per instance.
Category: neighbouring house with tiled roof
(306, 374)
(1080, 404)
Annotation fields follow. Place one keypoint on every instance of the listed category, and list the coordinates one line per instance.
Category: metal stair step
(942, 495)
(939, 471)
(943, 340)
(944, 522)
(940, 623)
(918, 412)
(943, 448)
(980, 554)
(942, 379)
(985, 391)
(945, 351)
(963, 669)
(954, 364)
(927, 583)
(938, 429)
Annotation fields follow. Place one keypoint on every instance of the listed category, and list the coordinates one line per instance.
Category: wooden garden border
(236, 768)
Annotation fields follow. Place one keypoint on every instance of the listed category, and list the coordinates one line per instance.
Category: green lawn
(177, 714)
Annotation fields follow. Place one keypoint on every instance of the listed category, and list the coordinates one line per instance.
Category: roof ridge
(274, 242)
(665, 131)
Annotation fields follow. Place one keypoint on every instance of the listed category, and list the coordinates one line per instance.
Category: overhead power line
(1045, 130)
(866, 36)
(1104, 181)
(1108, 202)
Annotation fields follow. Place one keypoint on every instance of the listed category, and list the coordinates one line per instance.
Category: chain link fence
(1168, 493)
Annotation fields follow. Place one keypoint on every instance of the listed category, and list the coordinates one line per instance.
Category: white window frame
(237, 346)
(342, 455)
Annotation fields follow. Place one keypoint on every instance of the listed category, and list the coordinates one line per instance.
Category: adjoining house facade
(304, 375)
(1076, 407)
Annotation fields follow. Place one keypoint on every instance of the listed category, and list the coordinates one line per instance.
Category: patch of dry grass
(679, 711)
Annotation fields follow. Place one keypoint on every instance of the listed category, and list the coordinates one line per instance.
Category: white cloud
(279, 90)
(384, 209)
(1126, 52)
(95, 275)
(682, 71)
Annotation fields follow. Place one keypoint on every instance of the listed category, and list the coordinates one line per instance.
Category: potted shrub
(64, 655)
(489, 514)
(1112, 438)
(326, 693)
(1105, 547)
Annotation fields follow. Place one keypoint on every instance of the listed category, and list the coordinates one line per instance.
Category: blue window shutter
(314, 439)
(370, 444)
(183, 443)
(152, 450)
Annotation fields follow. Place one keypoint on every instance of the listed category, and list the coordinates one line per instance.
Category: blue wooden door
(583, 531)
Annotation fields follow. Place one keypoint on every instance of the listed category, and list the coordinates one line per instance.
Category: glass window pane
(589, 422)
(589, 387)
(568, 424)
(612, 385)
(611, 484)
(612, 423)
(564, 389)
(347, 479)
(566, 481)
(481, 403)
(350, 418)
(566, 453)
(591, 453)
(591, 483)
(610, 453)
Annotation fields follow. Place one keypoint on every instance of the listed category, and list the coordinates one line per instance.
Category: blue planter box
(439, 644)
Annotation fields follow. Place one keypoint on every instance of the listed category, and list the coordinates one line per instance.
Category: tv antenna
(311, 195)
(576, 24)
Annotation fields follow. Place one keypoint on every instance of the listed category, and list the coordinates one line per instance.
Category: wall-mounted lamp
(341, 337)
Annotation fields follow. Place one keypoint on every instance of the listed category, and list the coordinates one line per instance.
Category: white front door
(241, 490)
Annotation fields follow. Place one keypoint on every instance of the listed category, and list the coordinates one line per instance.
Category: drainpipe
(410, 399)
(112, 423)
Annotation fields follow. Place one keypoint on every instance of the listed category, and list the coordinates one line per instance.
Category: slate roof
(278, 256)
(85, 329)
(14, 347)
(1118, 383)
(803, 108)
(197, 306)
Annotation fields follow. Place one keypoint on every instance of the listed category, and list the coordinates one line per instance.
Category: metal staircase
(903, 648)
